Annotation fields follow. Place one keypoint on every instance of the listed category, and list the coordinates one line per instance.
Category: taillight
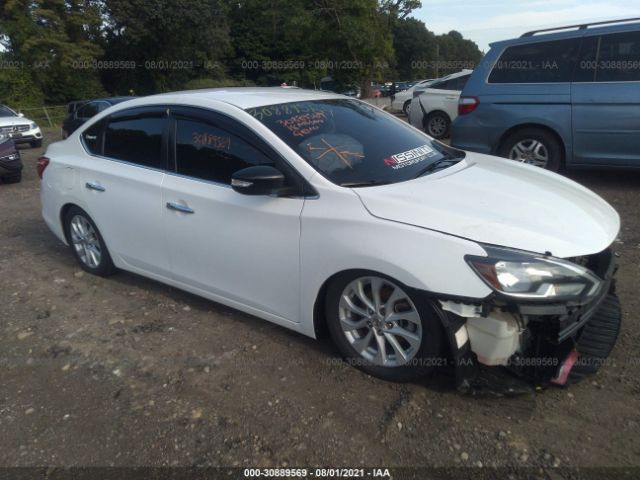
(467, 105)
(43, 162)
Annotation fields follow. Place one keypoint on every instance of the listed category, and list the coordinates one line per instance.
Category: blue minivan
(565, 97)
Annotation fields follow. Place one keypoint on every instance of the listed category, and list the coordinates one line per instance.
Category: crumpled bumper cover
(549, 342)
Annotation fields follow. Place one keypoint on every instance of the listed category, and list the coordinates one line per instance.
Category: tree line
(54, 51)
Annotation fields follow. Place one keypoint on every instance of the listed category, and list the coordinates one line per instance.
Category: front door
(240, 250)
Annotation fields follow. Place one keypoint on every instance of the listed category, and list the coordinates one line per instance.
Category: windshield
(7, 112)
(354, 144)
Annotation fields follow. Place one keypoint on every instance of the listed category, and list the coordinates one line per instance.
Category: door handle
(180, 208)
(94, 186)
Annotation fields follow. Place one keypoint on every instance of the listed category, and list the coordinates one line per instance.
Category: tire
(406, 107)
(437, 125)
(525, 138)
(86, 252)
(36, 143)
(597, 339)
(423, 353)
(16, 178)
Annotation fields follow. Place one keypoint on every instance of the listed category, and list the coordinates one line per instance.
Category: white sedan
(435, 108)
(316, 211)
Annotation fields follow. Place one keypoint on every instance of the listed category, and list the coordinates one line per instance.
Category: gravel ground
(128, 372)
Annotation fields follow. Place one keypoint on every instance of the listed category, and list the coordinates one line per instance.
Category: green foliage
(17, 88)
(76, 49)
(52, 38)
(171, 42)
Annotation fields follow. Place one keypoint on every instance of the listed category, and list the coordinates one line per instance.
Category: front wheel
(87, 244)
(384, 328)
(36, 143)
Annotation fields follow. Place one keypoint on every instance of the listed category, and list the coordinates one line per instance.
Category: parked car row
(402, 100)
(554, 98)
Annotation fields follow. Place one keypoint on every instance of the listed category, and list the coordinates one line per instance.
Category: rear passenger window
(547, 62)
(619, 58)
(92, 138)
(136, 140)
(208, 152)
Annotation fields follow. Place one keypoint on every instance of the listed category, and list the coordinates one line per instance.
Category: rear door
(122, 184)
(606, 101)
(443, 96)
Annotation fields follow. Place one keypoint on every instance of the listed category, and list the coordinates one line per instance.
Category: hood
(499, 202)
(7, 121)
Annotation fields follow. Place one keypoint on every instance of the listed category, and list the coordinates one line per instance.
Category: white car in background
(402, 100)
(435, 109)
(19, 128)
(316, 211)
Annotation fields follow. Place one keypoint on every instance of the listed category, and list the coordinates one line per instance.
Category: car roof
(250, 97)
(111, 100)
(573, 31)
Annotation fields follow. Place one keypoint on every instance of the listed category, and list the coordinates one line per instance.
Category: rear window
(545, 62)
(352, 143)
(136, 140)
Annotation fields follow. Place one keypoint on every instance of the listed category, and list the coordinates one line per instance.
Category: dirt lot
(126, 371)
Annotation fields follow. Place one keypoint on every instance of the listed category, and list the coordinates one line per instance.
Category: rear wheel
(533, 146)
(87, 244)
(406, 108)
(437, 125)
(382, 327)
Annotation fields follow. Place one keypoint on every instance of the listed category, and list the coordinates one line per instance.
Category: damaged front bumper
(505, 346)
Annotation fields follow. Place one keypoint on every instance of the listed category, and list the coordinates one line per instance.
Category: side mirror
(258, 180)
(21, 114)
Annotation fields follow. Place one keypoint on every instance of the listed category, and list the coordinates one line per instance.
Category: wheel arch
(534, 125)
(432, 112)
(63, 213)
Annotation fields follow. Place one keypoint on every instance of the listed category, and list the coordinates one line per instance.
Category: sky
(492, 20)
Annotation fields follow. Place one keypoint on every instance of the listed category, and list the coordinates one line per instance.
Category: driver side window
(208, 152)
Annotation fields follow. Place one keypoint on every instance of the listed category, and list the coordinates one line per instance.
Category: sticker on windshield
(410, 157)
(304, 124)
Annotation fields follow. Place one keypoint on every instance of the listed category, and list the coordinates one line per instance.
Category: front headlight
(530, 276)
(33, 126)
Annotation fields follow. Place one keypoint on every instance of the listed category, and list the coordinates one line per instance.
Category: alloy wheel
(437, 126)
(530, 151)
(380, 321)
(85, 241)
